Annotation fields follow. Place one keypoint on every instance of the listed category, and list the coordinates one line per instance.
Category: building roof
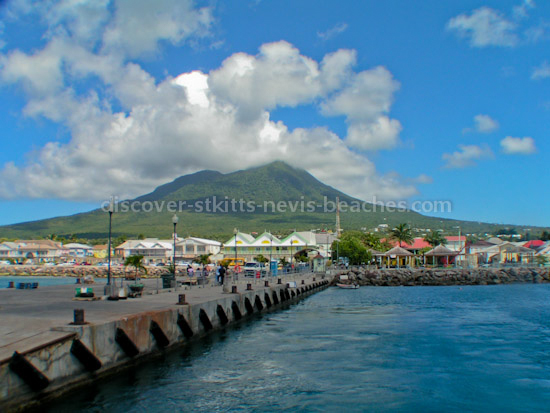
(196, 240)
(454, 238)
(75, 245)
(440, 251)
(536, 243)
(398, 251)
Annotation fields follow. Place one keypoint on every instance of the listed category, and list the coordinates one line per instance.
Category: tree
(141, 236)
(435, 238)
(135, 261)
(402, 233)
(261, 259)
(203, 259)
(283, 261)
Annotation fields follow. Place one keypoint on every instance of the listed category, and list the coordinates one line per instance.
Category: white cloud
(466, 156)
(333, 31)
(218, 120)
(518, 146)
(485, 124)
(133, 31)
(522, 11)
(541, 72)
(485, 27)
(365, 101)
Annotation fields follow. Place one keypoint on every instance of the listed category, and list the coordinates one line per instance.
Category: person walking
(222, 273)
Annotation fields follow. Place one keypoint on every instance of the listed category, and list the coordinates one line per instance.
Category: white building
(270, 246)
(192, 247)
(78, 250)
(152, 249)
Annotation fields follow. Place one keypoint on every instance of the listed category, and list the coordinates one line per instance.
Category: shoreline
(440, 277)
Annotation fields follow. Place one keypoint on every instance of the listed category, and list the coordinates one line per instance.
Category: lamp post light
(270, 251)
(235, 231)
(109, 287)
(175, 220)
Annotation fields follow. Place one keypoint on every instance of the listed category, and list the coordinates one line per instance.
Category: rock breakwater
(451, 276)
(80, 271)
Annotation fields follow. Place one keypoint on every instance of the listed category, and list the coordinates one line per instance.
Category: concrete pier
(50, 342)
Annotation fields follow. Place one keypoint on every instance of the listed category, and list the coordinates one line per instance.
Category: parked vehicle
(251, 269)
(5, 262)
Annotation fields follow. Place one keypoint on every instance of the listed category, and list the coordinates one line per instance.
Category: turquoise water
(421, 349)
(42, 281)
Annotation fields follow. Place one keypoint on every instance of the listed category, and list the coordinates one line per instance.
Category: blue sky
(383, 100)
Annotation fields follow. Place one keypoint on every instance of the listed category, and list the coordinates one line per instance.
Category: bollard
(248, 287)
(79, 317)
(279, 281)
(234, 289)
(313, 278)
(11, 284)
(266, 283)
(303, 282)
(181, 299)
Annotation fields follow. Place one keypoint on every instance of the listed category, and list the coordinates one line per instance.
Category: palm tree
(203, 259)
(402, 233)
(261, 259)
(435, 238)
(135, 261)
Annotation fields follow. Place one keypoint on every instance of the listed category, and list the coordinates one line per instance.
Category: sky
(384, 100)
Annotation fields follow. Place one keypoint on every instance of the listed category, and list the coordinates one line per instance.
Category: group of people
(203, 272)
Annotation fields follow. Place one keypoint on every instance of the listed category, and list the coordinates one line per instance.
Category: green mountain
(275, 197)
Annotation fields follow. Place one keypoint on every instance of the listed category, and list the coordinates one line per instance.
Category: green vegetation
(353, 246)
(435, 238)
(266, 185)
(403, 234)
(261, 259)
(203, 259)
(135, 261)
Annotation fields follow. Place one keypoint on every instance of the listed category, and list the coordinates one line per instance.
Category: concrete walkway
(28, 318)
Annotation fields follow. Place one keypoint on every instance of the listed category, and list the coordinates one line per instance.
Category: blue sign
(273, 266)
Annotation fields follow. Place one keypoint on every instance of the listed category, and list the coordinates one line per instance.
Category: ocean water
(413, 349)
(41, 280)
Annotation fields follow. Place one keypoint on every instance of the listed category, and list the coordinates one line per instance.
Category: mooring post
(79, 317)
(266, 283)
(279, 281)
(233, 289)
(181, 299)
(248, 287)
(303, 282)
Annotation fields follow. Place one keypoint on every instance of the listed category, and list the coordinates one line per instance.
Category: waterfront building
(153, 250)
(269, 245)
(76, 250)
(192, 247)
(37, 251)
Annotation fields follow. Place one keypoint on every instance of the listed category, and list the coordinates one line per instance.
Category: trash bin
(168, 281)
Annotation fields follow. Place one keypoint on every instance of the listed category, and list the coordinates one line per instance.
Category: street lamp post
(109, 287)
(235, 231)
(175, 220)
(270, 251)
